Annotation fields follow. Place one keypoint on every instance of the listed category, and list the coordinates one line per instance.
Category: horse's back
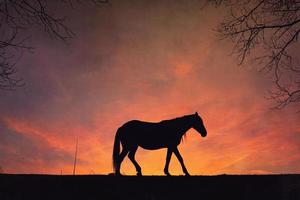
(149, 135)
(137, 126)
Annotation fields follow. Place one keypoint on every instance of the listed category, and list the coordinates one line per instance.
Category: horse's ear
(196, 113)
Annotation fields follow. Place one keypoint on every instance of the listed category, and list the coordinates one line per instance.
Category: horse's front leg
(181, 161)
(168, 158)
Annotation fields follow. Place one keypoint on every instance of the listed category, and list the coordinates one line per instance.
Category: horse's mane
(174, 120)
(177, 118)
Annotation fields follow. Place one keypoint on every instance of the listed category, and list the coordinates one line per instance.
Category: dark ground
(149, 187)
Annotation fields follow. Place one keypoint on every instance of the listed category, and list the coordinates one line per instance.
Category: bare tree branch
(267, 30)
(17, 17)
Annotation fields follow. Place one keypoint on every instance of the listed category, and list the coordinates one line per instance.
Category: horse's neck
(185, 124)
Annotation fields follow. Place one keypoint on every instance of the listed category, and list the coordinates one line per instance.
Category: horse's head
(198, 125)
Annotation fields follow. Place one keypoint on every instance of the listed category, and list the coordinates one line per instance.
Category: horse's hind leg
(131, 156)
(121, 158)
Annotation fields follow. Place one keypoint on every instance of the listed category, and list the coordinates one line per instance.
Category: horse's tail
(116, 150)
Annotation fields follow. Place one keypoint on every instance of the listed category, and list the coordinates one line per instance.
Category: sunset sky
(146, 60)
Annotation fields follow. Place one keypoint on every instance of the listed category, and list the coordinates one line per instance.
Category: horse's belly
(152, 146)
(153, 141)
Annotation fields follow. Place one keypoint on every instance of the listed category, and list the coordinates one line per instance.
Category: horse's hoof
(118, 174)
(139, 174)
(186, 173)
(168, 174)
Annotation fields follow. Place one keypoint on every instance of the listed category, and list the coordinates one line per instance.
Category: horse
(152, 136)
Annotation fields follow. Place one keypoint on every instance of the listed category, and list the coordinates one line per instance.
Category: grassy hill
(149, 187)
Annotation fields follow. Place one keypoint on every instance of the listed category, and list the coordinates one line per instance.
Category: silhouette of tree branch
(267, 30)
(16, 18)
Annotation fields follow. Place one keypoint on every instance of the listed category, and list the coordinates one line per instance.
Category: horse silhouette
(151, 136)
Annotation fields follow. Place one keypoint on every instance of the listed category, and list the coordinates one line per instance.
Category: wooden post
(75, 157)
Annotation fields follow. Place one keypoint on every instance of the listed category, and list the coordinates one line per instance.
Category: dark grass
(149, 187)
